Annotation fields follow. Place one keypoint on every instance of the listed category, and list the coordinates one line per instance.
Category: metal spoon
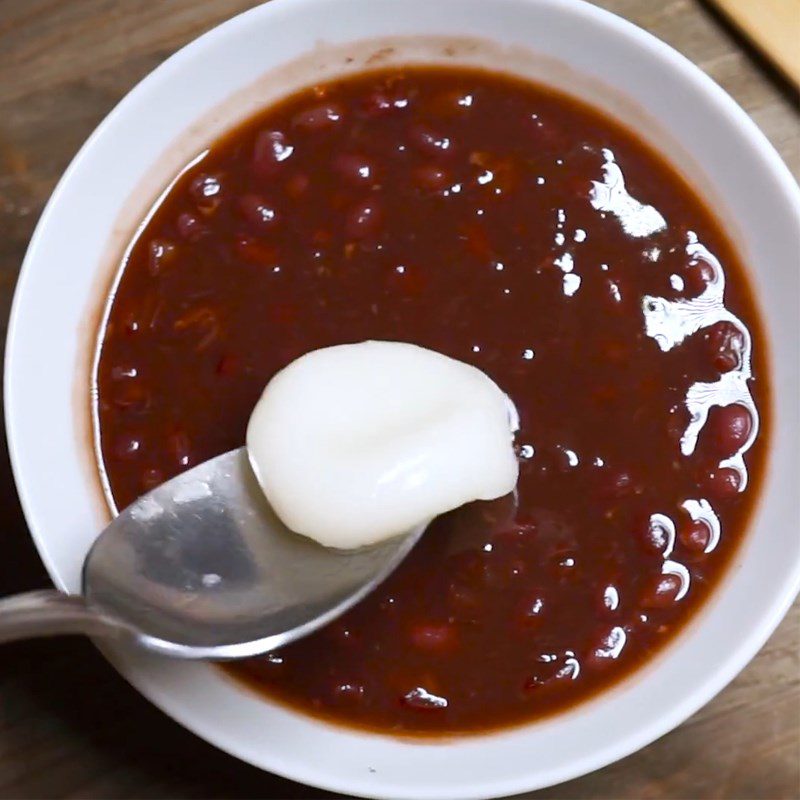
(202, 568)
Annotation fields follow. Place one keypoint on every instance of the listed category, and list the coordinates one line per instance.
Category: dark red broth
(486, 218)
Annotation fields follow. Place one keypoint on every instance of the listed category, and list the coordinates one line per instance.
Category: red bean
(532, 683)
(322, 236)
(227, 365)
(434, 638)
(618, 483)
(297, 185)
(725, 345)
(270, 151)
(451, 103)
(354, 168)
(610, 646)
(348, 693)
(697, 275)
(462, 598)
(532, 608)
(274, 661)
(388, 605)
(123, 372)
(384, 100)
(496, 174)
(548, 134)
(408, 281)
(563, 458)
(498, 514)
(319, 117)
(190, 228)
(722, 483)
(127, 446)
(422, 700)
(255, 251)
(506, 175)
(431, 178)
(202, 323)
(428, 141)
(132, 398)
(471, 568)
(339, 199)
(363, 220)
(260, 215)
(615, 293)
(151, 478)
(654, 537)
(677, 422)
(609, 600)
(206, 191)
(161, 253)
(695, 535)
(660, 591)
(341, 634)
(516, 567)
(728, 428)
(179, 448)
(130, 324)
(547, 669)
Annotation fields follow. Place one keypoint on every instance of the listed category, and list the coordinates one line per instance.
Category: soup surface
(515, 229)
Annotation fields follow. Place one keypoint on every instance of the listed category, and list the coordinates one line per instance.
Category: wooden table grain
(70, 727)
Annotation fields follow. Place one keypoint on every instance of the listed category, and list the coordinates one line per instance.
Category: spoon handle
(51, 613)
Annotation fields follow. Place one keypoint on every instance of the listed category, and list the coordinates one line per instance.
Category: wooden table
(69, 726)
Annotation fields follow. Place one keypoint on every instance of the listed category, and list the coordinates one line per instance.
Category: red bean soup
(513, 228)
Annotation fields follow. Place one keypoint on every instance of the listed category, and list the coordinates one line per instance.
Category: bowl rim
(614, 748)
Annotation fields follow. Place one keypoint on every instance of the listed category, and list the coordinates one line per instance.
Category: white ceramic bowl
(218, 79)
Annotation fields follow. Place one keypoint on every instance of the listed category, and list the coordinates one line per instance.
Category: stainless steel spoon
(202, 568)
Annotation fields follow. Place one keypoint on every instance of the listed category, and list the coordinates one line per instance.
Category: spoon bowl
(202, 568)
